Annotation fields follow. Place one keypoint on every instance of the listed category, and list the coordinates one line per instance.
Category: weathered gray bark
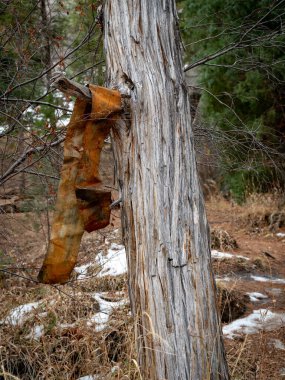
(164, 223)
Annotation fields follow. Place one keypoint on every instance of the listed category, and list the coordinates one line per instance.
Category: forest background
(234, 59)
(234, 54)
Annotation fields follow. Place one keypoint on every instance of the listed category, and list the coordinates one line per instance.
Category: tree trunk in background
(46, 39)
(165, 229)
(22, 146)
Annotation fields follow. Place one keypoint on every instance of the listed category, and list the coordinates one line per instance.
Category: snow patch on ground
(280, 234)
(255, 296)
(18, 315)
(82, 271)
(89, 377)
(114, 263)
(106, 307)
(225, 255)
(220, 279)
(268, 279)
(277, 344)
(261, 319)
(36, 332)
(44, 314)
(4, 128)
(66, 325)
(251, 277)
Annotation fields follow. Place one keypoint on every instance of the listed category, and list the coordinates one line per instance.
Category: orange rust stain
(82, 201)
(94, 207)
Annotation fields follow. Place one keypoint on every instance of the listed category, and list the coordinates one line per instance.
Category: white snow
(18, 315)
(261, 319)
(100, 319)
(66, 325)
(89, 377)
(115, 369)
(117, 247)
(277, 344)
(43, 315)
(225, 255)
(82, 271)
(226, 279)
(252, 277)
(106, 307)
(3, 128)
(268, 279)
(255, 296)
(36, 332)
(114, 263)
(280, 234)
(70, 105)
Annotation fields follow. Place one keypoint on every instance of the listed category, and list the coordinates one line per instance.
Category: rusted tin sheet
(82, 201)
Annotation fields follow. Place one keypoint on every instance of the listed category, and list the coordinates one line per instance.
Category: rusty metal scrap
(82, 201)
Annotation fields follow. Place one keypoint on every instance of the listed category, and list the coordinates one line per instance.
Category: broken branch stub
(83, 204)
(70, 87)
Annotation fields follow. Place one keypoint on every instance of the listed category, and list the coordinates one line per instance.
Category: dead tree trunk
(165, 229)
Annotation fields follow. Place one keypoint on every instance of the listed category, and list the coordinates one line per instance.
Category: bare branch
(231, 46)
(43, 73)
(25, 155)
(70, 87)
(16, 100)
(38, 174)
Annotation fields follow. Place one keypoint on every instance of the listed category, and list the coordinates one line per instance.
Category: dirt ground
(253, 356)
(23, 243)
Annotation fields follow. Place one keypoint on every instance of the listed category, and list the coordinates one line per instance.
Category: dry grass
(264, 211)
(254, 357)
(68, 352)
(235, 265)
(232, 303)
(69, 347)
(221, 239)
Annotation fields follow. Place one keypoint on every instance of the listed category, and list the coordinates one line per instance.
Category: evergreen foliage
(243, 89)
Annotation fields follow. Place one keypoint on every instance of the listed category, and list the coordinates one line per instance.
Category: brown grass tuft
(232, 303)
(221, 239)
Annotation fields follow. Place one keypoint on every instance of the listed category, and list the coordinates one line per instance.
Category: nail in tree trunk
(165, 229)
